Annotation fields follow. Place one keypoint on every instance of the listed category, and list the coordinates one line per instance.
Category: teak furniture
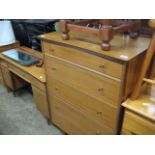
(140, 107)
(14, 75)
(87, 85)
(104, 29)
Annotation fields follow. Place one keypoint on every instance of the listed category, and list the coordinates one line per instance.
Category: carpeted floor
(19, 116)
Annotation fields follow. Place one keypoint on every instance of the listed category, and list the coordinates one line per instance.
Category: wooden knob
(57, 107)
(98, 133)
(100, 89)
(99, 112)
(52, 50)
(53, 68)
(101, 66)
(55, 88)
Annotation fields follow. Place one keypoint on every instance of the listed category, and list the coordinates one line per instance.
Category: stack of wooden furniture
(87, 85)
(139, 115)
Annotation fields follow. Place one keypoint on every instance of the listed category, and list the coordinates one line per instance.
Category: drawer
(94, 85)
(35, 82)
(73, 121)
(135, 124)
(20, 73)
(101, 112)
(41, 101)
(89, 60)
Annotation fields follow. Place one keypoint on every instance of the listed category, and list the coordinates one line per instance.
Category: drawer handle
(100, 89)
(51, 49)
(53, 68)
(57, 107)
(99, 112)
(102, 66)
(98, 133)
(56, 89)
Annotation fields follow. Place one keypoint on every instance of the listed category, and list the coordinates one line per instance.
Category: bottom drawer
(135, 124)
(74, 122)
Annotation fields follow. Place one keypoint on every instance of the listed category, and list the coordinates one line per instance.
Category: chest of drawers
(87, 85)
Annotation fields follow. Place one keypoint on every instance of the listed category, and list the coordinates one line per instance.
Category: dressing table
(15, 75)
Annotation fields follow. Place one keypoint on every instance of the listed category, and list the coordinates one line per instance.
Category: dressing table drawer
(20, 73)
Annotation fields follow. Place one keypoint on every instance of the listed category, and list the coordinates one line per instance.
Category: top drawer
(89, 60)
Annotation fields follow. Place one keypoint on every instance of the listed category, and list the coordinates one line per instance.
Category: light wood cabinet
(87, 85)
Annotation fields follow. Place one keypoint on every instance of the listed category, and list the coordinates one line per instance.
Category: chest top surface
(123, 48)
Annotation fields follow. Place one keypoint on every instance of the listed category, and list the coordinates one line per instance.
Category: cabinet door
(41, 101)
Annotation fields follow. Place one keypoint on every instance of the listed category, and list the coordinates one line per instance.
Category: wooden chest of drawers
(87, 85)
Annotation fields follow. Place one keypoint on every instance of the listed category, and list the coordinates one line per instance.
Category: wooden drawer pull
(100, 89)
(99, 112)
(57, 107)
(102, 66)
(53, 68)
(55, 89)
(98, 133)
(52, 50)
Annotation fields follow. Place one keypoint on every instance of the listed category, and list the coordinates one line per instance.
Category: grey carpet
(19, 116)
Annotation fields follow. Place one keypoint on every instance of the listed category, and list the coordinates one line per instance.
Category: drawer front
(94, 85)
(94, 62)
(20, 73)
(101, 112)
(73, 121)
(135, 124)
(41, 101)
(35, 82)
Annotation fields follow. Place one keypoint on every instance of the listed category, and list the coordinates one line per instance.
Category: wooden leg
(65, 36)
(14, 93)
(133, 34)
(48, 121)
(105, 46)
(8, 89)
